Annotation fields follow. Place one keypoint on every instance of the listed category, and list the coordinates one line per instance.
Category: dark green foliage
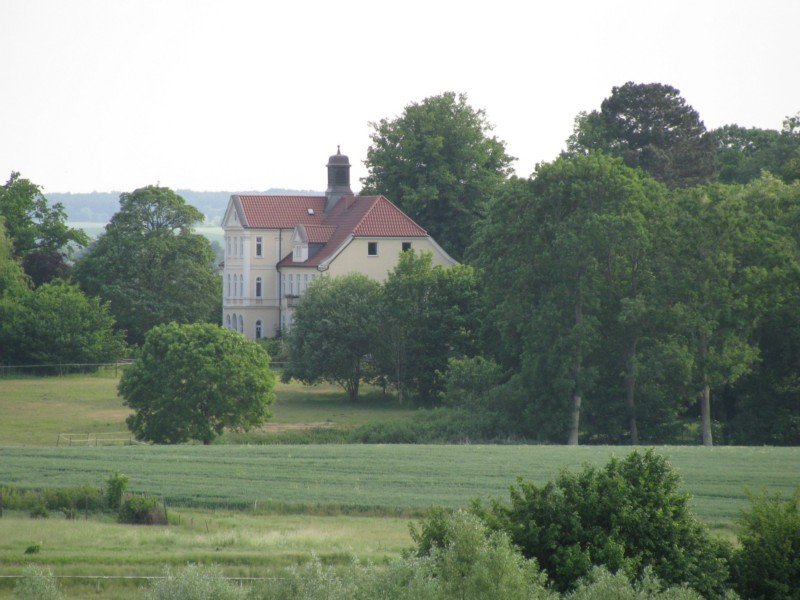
(57, 323)
(768, 563)
(193, 381)
(149, 265)
(439, 165)
(39, 511)
(116, 485)
(195, 582)
(39, 231)
(650, 126)
(33, 548)
(626, 515)
(429, 315)
(141, 510)
(336, 326)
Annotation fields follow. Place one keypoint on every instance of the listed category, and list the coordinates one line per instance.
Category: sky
(237, 95)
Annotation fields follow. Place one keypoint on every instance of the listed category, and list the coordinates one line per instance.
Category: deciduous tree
(336, 326)
(439, 164)
(191, 382)
(149, 265)
(39, 231)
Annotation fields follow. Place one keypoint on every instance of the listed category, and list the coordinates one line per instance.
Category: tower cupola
(338, 179)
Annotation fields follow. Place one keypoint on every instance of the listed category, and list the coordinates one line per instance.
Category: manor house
(276, 246)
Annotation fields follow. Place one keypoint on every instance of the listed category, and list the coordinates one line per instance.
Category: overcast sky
(247, 95)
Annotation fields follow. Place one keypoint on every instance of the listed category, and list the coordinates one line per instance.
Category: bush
(627, 515)
(600, 583)
(768, 563)
(78, 497)
(195, 582)
(37, 583)
(39, 511)
(141, 510)
(116, 485)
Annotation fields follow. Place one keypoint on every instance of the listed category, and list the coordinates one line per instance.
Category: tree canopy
(650, 126)
(191, 382)
(335, 327)
(439, 164)
(39, 232)
(149, 265)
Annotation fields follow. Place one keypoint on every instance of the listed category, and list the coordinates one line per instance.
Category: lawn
(37, 409)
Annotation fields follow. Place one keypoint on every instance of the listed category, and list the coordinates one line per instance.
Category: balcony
(292, 300)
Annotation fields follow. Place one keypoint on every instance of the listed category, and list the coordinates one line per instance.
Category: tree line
(641, 287)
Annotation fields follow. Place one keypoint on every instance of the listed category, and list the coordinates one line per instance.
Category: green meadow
(253, 506)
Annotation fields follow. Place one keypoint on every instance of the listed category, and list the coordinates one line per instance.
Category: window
(241, 246)
(233, 324)
(228, 240)
(258, 287)
(258, 330)
(406, 246)
(372, 248)
(228, 321)
(241, 324)
(305, 282)
(228, 289)
(283, 284)
(241, 286)
(290, 291)
(259, 245)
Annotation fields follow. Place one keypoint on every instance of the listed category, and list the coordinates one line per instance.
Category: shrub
(768, 563)
(627, 515)
(116, 485)
(37, 583)
(195, 582)
(141, 510)
(600, 583)
(39, 511)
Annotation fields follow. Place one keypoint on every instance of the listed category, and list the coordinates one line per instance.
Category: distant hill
(99, 207)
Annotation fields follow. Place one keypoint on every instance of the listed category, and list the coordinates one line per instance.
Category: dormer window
(300, 253)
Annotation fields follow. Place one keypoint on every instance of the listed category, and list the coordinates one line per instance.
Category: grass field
(36, 409)
(254, 508)
(242, 545)
(378, 479)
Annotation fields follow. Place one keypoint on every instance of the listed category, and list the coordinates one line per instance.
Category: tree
(57, 323)
(650, 126)
(39, 231)
(12, 280)
(627, 515)
(567, 261)
(429, 316)
(191, 382)
(438, 163)
(336, 326)
(767, 565)
(149, 265)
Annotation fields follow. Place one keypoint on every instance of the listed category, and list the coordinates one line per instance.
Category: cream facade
(277, 246)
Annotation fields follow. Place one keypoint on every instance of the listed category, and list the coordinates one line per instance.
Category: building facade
(276, 246)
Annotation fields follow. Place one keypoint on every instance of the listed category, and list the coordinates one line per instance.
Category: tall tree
(149, 265)
(336, 326)
(565, 261)
(428, 317)
(650, 126)
(717, 282)
(39, 231)
(439, 164)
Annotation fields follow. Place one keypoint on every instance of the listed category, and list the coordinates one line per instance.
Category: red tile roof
(281, 212)
(359, 216)
(319, 234)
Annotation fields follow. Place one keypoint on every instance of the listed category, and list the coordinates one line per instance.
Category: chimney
(338, 179)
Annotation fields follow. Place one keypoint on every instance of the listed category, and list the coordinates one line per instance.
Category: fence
(60, 368)
(96, 439)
